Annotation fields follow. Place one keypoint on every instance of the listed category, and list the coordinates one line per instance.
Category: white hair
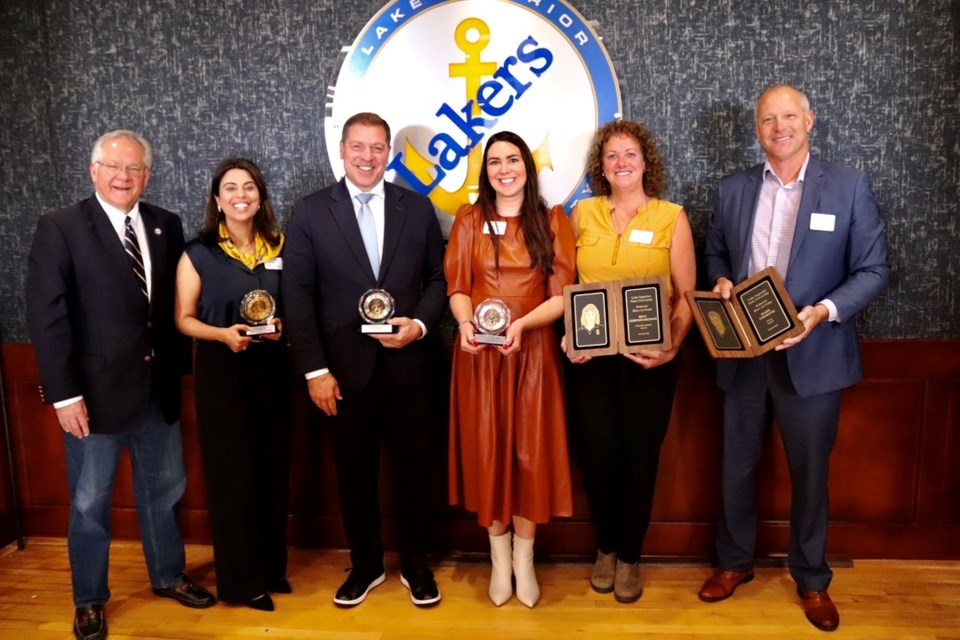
(97, 152)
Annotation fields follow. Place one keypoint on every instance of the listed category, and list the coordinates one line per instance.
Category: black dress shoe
(90, 623)
(355, 589)
(262, 602)
(424, 591)
(188, 593)
(279, 586)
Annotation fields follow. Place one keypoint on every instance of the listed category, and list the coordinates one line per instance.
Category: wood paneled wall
(895, 471)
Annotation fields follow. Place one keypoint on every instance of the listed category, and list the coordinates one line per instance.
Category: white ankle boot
(528, 591)
(501, 588)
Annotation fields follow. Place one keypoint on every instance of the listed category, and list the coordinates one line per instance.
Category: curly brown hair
(655, 175)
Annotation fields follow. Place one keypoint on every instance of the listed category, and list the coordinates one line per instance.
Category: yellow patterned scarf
(264, 251)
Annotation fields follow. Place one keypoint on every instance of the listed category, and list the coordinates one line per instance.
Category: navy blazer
(92, 332)
(326, 271)
(848, 265)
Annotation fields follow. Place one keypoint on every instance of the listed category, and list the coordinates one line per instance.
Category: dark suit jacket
(93, 334)
(847, 265)
(326, 270)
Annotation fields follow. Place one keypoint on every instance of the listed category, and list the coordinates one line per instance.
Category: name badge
(822, 221)
(498, 227)
(641, 237)
(274, 265)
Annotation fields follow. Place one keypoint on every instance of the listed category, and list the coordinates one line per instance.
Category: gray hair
(804, 100)
(97, 152)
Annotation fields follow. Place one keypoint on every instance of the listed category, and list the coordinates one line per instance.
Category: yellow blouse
(643, 249)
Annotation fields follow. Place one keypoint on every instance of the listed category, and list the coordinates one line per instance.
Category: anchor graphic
(472, 36)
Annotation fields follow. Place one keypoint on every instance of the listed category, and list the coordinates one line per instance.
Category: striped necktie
(132, 247)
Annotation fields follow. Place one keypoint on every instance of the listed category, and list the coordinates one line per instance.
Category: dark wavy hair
(264, 220)
(534, 221)
(655, 175)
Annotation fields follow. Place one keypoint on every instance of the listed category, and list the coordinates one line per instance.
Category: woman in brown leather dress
(508, 449)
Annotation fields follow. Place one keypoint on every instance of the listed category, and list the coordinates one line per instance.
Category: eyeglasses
(133, 170)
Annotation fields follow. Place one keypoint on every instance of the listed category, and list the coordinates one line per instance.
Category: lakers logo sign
(447, 74)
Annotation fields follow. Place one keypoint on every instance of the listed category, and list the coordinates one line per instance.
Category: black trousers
(396, 415)
(620, 413)
(243, 418)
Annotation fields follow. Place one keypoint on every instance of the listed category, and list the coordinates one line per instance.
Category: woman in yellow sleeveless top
(620, 405)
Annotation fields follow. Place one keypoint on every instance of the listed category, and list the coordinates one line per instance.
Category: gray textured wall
(206, 78)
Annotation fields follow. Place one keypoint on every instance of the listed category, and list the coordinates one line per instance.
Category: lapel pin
(157, 232)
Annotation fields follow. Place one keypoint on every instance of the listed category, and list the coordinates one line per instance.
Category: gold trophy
(376, 307)
(257, 309)
(492, 317)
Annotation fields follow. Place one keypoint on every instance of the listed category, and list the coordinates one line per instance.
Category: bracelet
(460, 326)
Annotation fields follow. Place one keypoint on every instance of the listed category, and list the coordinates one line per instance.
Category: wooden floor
(877, 600)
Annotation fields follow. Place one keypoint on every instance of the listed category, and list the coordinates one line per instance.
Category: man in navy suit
(359, 234)
(100, 287)
(819, 225)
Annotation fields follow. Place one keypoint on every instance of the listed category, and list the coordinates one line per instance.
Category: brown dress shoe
(820, 610)
(90, 623)
(722, 584)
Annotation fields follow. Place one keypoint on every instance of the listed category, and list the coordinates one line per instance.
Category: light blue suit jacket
(847, 265)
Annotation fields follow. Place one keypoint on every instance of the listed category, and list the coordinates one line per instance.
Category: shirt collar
(116, 215)
(768, 171)
(353, 189)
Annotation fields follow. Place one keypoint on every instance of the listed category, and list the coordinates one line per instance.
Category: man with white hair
(100, 291)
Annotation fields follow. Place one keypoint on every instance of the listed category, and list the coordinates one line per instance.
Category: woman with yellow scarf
(228, 298)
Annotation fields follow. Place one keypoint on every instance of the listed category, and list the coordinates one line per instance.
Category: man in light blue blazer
(818, 224)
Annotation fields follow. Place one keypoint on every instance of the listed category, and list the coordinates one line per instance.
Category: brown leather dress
(508, 445)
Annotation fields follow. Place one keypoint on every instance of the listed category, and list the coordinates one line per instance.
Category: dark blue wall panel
(206, 78)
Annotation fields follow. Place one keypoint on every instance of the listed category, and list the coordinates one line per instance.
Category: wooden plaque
(621, 316)
(643, 315)
(757, 318)
(589, 319)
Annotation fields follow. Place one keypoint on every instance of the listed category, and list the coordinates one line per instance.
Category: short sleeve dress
(508, 446)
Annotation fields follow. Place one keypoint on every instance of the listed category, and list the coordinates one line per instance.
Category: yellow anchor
(473, 70)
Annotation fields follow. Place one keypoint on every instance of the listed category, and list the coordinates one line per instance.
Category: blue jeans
(159, 479)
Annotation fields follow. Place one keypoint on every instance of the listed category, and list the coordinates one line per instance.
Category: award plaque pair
(626, 316)
(620, 316)
(758, 316)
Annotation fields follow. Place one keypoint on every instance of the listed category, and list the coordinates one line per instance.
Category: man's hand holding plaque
(491, 317)
(376, 308)
(258, 308)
